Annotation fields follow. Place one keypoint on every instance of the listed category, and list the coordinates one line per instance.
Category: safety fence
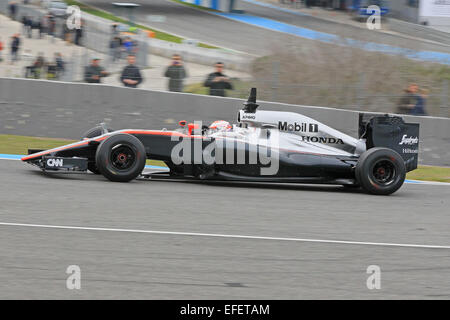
(357, 91)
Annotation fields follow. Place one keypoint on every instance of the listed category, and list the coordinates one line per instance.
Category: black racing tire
(380, 171)
(92, 167)
(121, 157)
(94, 132)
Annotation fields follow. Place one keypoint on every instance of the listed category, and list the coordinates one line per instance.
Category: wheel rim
(123, 157)
(384, 172)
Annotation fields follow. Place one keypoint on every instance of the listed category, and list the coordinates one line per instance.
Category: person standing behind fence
(115, 30)
(409, 100)
(51, 26)
(15, 46)
(60, 65)
(94, 72)
(419, 108)
(128, 45)
(131, 76)
(115, 48)
(12, 10)
(27, 26)
(38, 66)
(44, 26)
(176, 74)
(218, 82)
(79, 32)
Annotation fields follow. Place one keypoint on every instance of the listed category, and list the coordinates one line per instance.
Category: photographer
(217, 82)
(176, 74)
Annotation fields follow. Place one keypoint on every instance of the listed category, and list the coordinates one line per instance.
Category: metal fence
(336, 95)
(353, 96)
(356, 94)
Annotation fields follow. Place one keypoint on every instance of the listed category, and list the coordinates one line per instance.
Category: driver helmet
(220, 125)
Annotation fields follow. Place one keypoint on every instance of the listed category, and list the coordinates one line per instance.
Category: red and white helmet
(220, 125)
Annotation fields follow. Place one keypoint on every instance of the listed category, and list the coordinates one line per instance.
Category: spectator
(115, 29)
(218, 82)
(131, 76)
(94, 72)
(40, 61)
(79, 34)
(27, 24)
(176, 73)
(51, 26)
(37, 25)
(115, 48)
(409, 100)
(128, 45)
(35, 70)
(56, 69)
(419, 108)
(60, 64)
(15, 46)
(1, 50)
(12, 10)
(44, 21)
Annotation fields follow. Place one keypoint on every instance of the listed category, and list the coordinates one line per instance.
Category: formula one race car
(265, 146)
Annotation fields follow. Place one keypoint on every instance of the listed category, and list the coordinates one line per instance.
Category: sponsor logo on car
(409, 140)
(407, 150)
(248, 117)
(55, 162)
(328, 140)
(298, 127)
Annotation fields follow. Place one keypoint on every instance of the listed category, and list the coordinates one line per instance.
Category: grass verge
(109, 16)
(429, 173)
(12, 144)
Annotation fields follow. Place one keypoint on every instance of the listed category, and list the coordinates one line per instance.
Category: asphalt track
(184, 240)
(206, 27)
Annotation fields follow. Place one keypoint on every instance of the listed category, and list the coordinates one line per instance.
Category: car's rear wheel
(121, 158)
(380, 171)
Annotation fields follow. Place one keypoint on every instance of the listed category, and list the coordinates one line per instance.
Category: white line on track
(230, 236)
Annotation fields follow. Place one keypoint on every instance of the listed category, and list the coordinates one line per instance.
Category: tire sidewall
(103, 158)
(92, 167)
(366, 163)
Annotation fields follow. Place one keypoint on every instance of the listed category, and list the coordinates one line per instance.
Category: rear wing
(391, 132)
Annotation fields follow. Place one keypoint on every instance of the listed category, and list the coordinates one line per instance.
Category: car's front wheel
(380, 171)
(121, 158)
(92, 167)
